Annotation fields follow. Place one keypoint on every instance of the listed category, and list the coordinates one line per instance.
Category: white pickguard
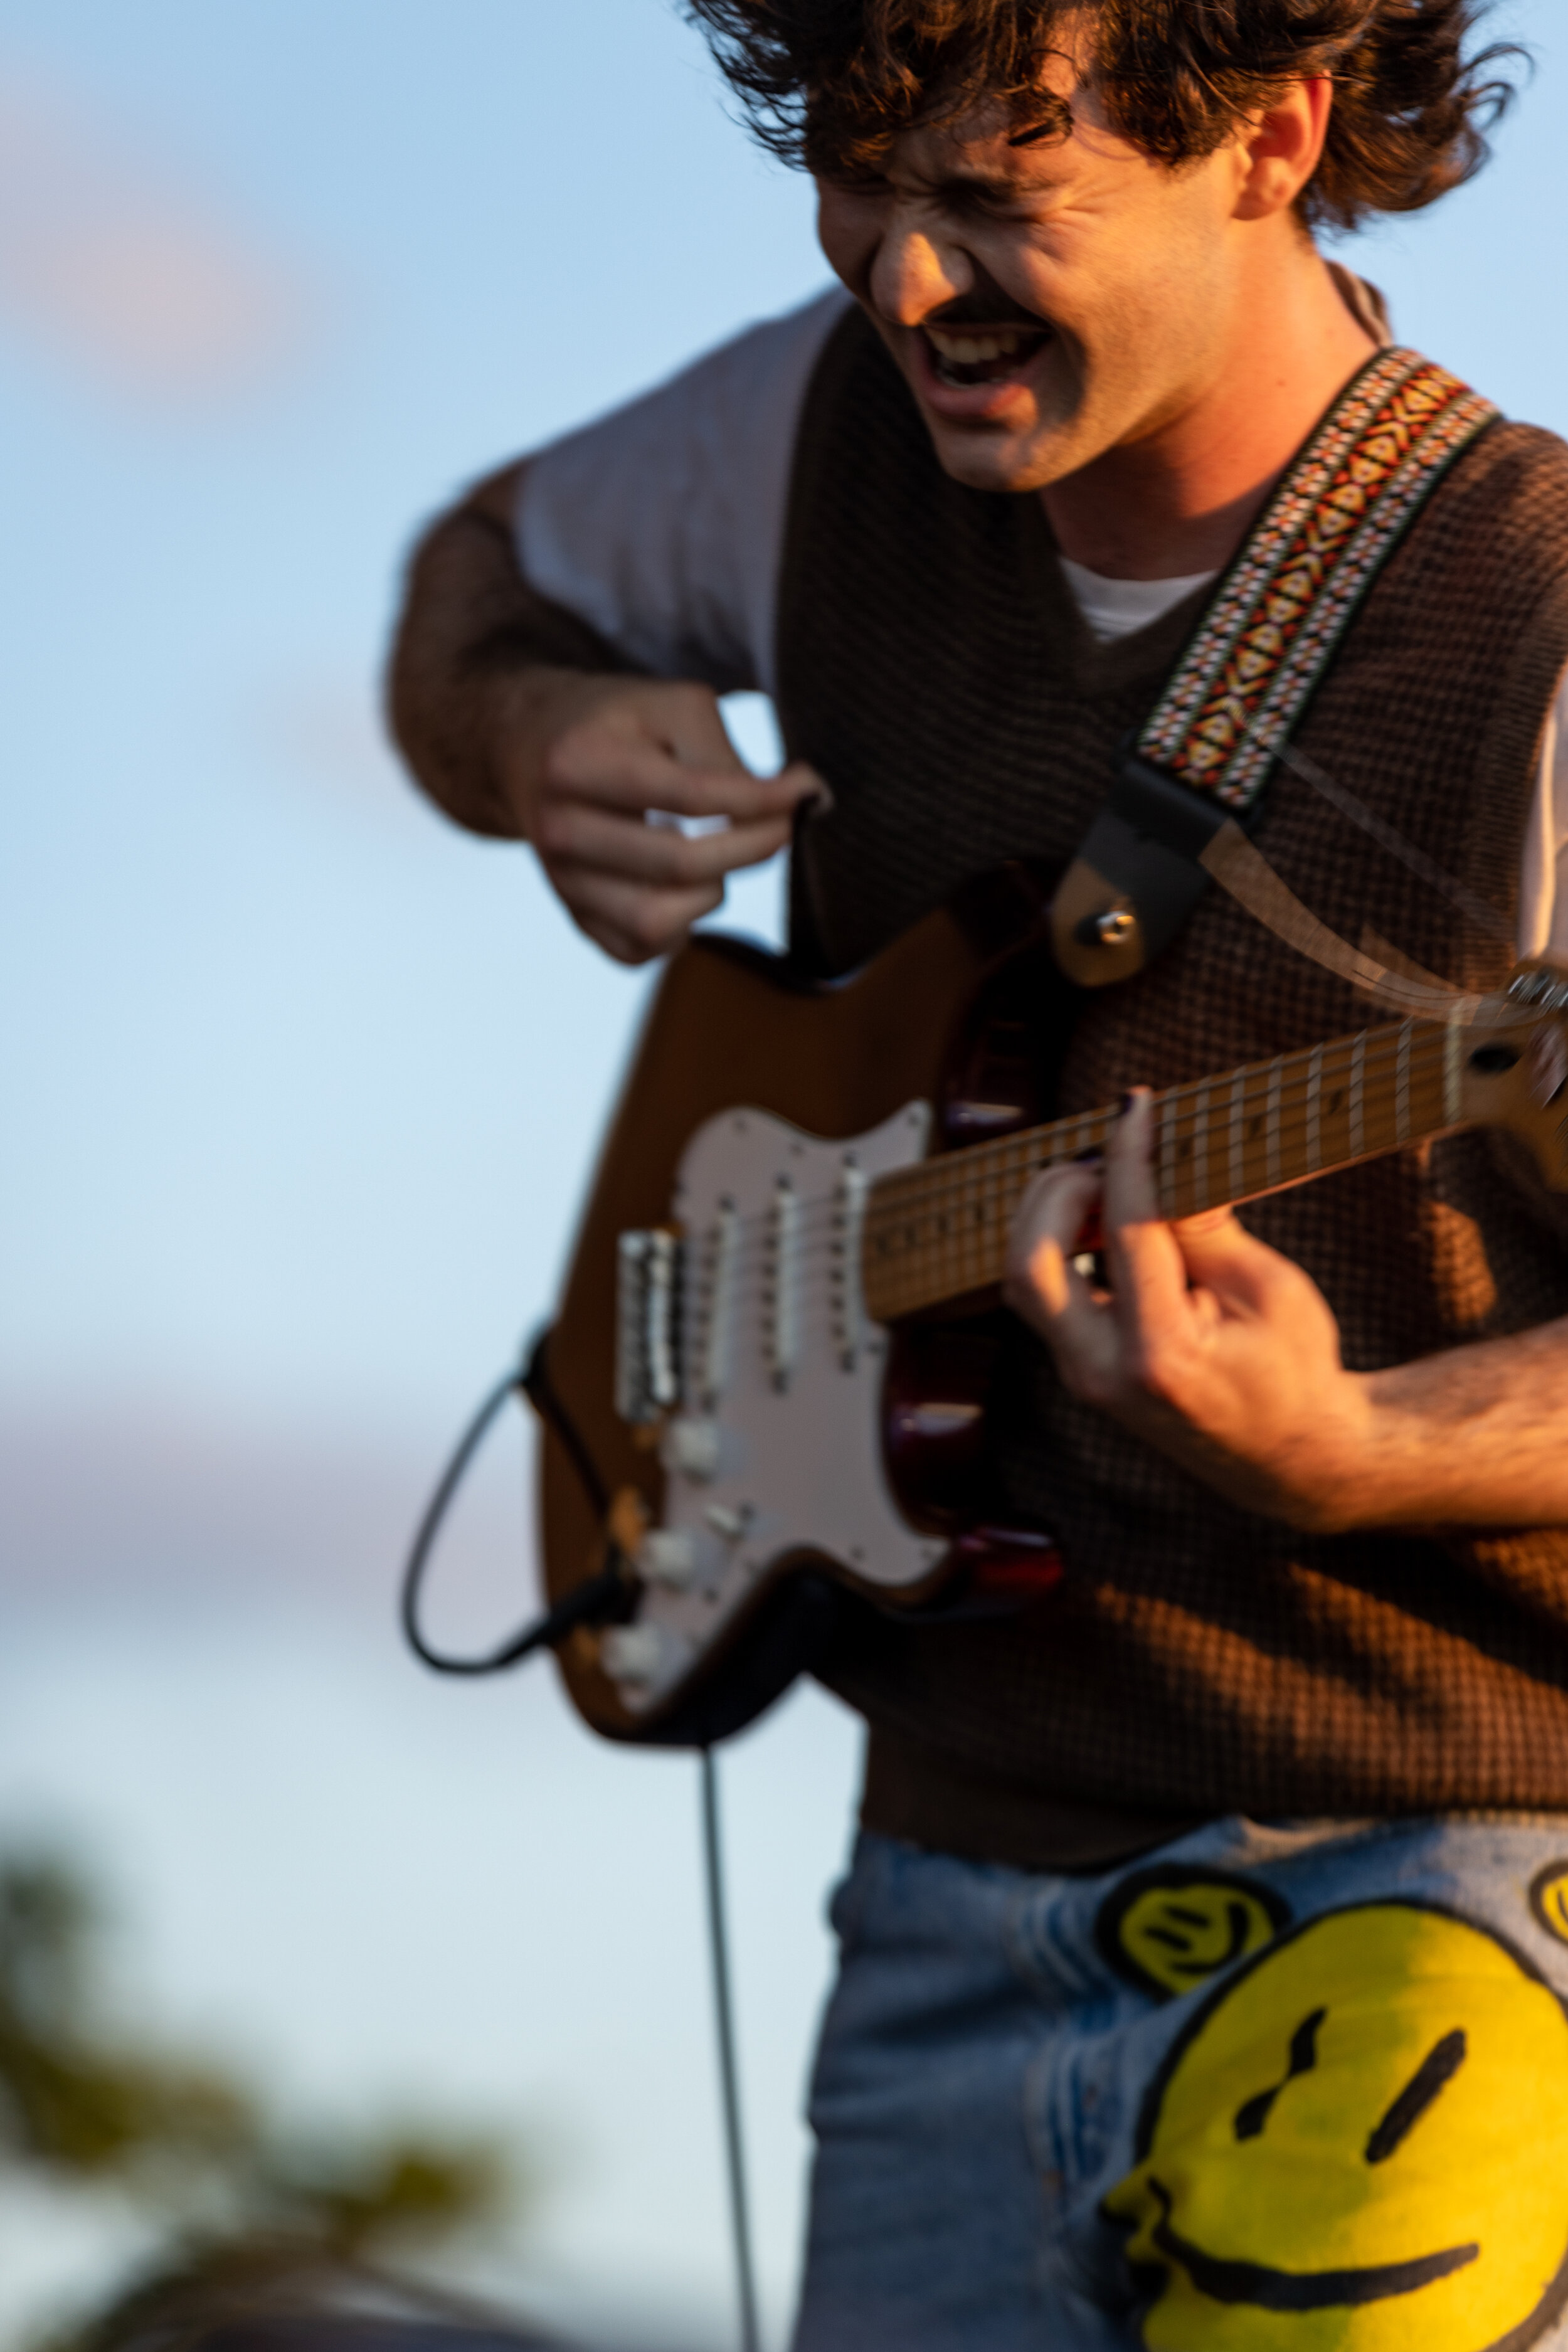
(782, 1380)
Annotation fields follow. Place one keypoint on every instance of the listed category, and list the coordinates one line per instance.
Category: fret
(1402, 1086)
(940, 1229)
(995, 1178)
(1237, 1173)
(1201, 1148)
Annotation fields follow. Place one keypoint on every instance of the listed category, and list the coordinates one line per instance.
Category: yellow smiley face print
(1168, 1928)
(1549, 1899)
(1360, 2142)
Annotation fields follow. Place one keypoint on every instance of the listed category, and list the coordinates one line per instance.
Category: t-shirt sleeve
(662, 524)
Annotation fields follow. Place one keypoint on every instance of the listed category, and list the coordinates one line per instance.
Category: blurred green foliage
(239, 2202)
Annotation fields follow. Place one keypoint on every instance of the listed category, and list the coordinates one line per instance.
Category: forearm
(1475, 1437)
(475, 660)
(1225, 1356)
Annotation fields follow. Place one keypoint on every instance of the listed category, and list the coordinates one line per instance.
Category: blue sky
(299, 1015)
(302, 1084)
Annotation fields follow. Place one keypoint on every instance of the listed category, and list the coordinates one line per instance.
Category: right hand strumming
(595, 759)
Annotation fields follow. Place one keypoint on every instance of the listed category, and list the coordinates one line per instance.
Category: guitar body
(856, 1453)
(779, 1332)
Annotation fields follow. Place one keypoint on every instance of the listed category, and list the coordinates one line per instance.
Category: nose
(917, 271)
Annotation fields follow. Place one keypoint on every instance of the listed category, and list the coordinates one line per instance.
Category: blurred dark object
(289, 2297)
(262, 2229)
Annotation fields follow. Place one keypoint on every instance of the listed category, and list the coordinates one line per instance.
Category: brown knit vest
(933, 666)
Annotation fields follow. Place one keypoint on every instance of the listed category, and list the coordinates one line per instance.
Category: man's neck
(1181, 500)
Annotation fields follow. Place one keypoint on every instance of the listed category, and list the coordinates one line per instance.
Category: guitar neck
(939, 1231)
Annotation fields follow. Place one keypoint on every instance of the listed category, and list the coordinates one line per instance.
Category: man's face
(1046, 303)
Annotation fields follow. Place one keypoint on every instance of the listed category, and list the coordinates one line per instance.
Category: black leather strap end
(1152, 803)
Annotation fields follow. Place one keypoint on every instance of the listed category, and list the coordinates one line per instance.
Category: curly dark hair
(830, 83)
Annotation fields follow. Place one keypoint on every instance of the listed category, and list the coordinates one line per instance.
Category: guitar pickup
(781, 1286)
(647, 1337)
(848, 1309)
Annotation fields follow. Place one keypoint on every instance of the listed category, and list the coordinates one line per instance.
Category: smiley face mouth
(1271, 2290)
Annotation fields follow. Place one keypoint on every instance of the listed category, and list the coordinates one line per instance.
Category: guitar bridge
(647, 1338)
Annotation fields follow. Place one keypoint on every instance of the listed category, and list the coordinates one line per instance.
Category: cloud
(107, 256)
(159, 1498)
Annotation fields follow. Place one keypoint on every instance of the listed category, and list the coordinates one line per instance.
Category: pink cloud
(107, 256)
(115, 1494)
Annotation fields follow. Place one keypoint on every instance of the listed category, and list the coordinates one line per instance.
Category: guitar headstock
(1515, 1067)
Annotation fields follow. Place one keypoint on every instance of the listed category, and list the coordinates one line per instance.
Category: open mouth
(961, 356)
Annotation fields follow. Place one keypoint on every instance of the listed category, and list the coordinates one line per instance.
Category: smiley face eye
(1441, 2063)
(1193, 1929)
(1253, 2114)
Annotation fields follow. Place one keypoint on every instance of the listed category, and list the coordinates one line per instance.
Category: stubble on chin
(1018, 456)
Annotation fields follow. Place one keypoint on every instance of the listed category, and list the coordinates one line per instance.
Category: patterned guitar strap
(1187, 782)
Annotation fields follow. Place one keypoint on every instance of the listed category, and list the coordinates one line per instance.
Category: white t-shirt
(662, 525)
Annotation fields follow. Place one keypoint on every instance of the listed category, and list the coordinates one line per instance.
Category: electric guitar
(781, 1311)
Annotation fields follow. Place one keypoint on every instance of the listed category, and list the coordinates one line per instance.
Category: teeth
(966, 351)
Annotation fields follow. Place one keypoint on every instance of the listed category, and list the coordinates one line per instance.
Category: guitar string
(932, 1265)
(1374, 1043)
(941, 1264)
(944, 1264)
(1010, 1162)
(926, 1187)
(959, 1168)
(951, 1172)
(1278, 1138)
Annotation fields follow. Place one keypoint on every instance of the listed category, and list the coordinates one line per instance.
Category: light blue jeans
(1276, 2085)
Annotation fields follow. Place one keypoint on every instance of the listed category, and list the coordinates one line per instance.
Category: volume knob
(631, 1653)
(667, 1557)
(690, 1448)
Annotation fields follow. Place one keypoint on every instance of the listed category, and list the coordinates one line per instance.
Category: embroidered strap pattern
(1280, 613)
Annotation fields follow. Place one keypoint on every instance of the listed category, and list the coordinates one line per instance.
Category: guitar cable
(601, 1598)
(728, 2071)
(597, 1602)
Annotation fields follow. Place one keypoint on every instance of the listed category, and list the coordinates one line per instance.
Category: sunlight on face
(1046, 303)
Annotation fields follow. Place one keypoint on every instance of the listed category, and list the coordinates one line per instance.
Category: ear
(1281, 146)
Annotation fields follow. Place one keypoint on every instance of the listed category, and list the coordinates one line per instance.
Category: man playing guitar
(1203, 1954)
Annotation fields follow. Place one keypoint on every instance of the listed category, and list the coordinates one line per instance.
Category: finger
(1056, 1205)
(630, 921)
(1243, 1274)
(1131, 1197)
(1041, 1284)
(578, 833)
(1148, 1273)
(686, 719)
(633, 773)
